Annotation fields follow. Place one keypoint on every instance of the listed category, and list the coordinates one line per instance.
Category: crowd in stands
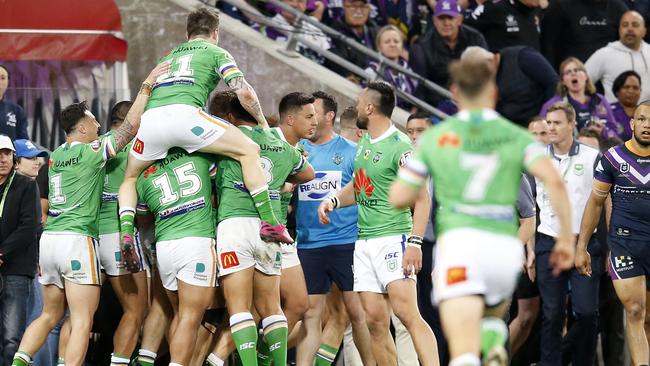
(544, 50)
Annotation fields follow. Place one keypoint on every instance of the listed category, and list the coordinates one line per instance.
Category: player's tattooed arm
(248, 99)
(127, 130)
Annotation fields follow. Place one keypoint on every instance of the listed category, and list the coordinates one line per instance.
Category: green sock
(263, 204)
(494, 333)
(146, 358)
(60, 361)
(127, 218)
(325, 355)
(21, 359)
(244, 334)
(263, 353)
(276, 333)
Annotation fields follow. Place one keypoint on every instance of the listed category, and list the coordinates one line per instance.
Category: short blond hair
(565, 107)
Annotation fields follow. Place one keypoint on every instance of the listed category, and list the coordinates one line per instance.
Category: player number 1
(57, 194)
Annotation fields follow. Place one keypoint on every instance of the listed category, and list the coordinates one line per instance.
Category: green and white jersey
(376, 164)
(177, 190)
(285, 197)
(76, 178)
(196, 69)
(109, 218)
(475, 159)
(279, 161)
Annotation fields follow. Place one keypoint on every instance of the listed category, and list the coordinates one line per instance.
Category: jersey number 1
(482, 169)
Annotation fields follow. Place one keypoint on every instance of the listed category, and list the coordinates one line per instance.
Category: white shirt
(577, 170)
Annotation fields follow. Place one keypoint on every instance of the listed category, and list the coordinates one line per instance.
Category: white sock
(174, 364)
(119, 361)
(214, 360)
(467, 359)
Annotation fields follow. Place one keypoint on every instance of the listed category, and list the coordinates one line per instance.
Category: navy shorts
(325, 265)
(629, 258)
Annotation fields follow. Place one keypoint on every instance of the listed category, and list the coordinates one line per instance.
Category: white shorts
(72, 257)
(239, 247)
(289, 256)
(192, 260)
(175, 125)
(110, 255)
(378, 262)
(476, 262)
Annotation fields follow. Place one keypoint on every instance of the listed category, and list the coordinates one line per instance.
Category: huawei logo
(449, 138)
(363, 183)
(152, 170)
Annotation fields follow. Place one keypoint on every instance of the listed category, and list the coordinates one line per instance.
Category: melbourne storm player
(624, 172)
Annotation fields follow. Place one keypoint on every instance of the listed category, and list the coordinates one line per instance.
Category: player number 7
(483, 168)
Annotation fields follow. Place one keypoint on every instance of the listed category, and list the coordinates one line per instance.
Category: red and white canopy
(71, 30)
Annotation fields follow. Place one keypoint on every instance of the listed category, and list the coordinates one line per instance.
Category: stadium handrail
(294, 36)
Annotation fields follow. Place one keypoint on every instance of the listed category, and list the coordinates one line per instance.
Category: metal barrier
(294, 36)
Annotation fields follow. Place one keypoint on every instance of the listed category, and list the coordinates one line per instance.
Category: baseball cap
(447, 7)
(5, 143)
(27, 149)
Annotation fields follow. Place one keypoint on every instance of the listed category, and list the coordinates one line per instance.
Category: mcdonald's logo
(229, 259)
(138, 146)
(456, 275)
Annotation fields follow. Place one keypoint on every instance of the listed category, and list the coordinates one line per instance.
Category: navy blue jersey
(629, 175)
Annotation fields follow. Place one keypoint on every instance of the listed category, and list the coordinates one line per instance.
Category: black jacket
(430, 57)
(579, 27)
(19, 226)
(13, 122)
(348, 53)
(506, 23)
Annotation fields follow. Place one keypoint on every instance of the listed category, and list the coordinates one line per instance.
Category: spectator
(525, 80)
(401, 13)
(13, 122)
(287, 22)
(27, 158)
(579, 27)
(576, 88)
(444, 42)
(416, 124)
(627, 89)
(507, 23)
(390, 44)
(641, 6)
(356, 24)
(18, 247)
(630, 52)
(538, 127)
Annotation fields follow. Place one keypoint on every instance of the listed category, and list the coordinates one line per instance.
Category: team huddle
(195, 194)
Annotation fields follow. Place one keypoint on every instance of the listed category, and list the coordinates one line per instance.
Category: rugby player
(131, 290)
(624, 173)
(68, 257)
(249, 268)
(174, 118)
(385, 261)
(326, 251)
(177, 190)
(297, 122)
(475, 159)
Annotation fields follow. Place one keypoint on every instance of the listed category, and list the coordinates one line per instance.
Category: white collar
(486, 114)
(281, 134)
(384, 135)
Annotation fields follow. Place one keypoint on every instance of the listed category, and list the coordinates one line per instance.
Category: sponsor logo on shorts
(456, 275)
(391, 261)
(622, 232)
(229, 260)
(138, 146)
(199, 272)
(75, 265)
(118, 256)
(197, 130)
(623, 263)
(278, 260)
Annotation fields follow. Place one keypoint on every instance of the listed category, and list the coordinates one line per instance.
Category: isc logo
(247, 345)
(392, 255)
(274, 346)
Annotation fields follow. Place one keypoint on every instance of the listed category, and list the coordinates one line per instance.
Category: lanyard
(4, 194)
